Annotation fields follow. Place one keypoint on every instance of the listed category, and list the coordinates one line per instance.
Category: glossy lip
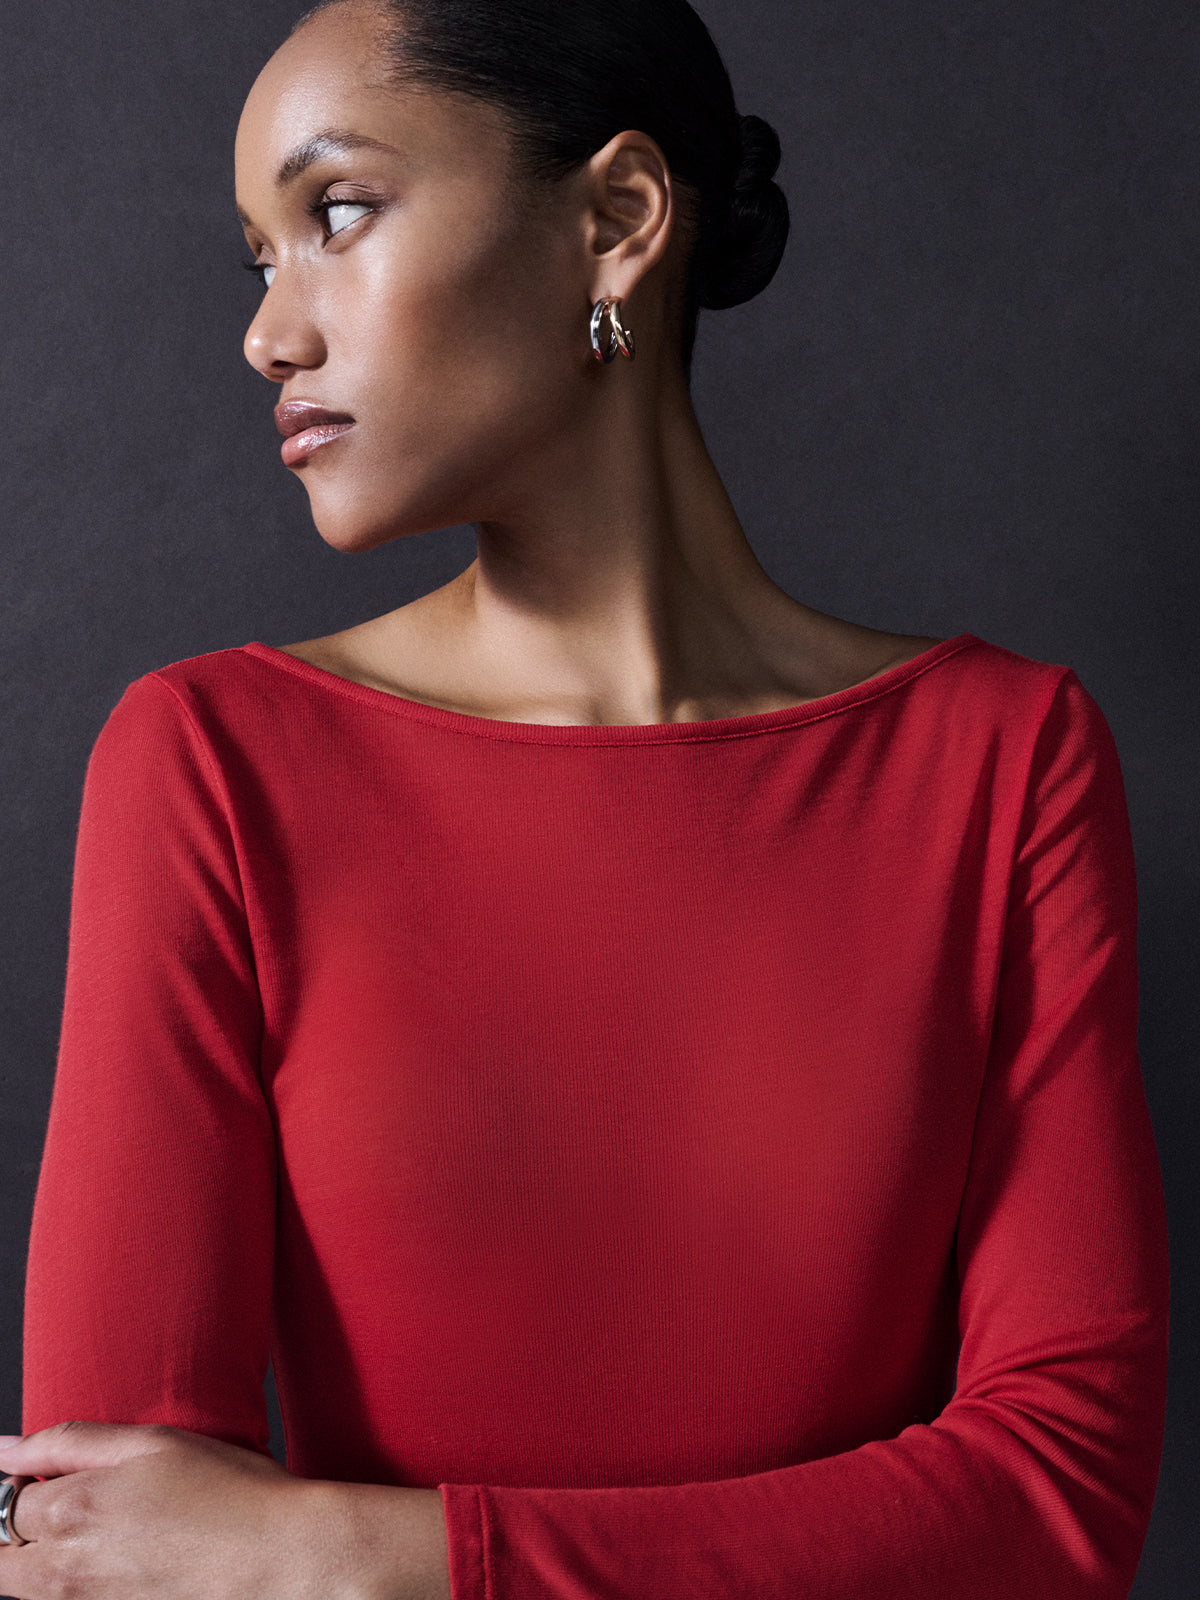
(299, 446)
(306, 426)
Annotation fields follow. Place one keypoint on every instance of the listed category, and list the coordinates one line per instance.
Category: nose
(283, 337)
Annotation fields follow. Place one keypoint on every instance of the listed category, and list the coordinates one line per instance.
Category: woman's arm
(149, 1274)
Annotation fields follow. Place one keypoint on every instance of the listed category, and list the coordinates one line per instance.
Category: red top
(619, 1128)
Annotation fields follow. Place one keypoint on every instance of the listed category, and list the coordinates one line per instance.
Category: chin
(349, 525)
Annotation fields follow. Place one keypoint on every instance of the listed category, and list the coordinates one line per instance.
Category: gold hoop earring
(619, 336)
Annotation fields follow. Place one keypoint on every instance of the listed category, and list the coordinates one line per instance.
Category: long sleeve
(148, 1279)
(1038, 1476)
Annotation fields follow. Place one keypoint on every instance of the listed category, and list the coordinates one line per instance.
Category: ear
(631, 212)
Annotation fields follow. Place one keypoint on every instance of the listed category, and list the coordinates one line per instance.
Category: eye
(333, 210)
(265, 272)
(338, 214)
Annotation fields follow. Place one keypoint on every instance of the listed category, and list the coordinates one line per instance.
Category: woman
(653, 1065)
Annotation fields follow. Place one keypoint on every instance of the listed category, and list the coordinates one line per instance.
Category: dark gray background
(969, 401)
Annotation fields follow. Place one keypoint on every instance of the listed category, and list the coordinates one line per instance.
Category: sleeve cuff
(467, 1542)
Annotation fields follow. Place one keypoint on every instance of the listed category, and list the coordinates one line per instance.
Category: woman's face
(428, 299)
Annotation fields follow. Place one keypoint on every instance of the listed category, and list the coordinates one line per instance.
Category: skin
(144, 1512)
(613, 584)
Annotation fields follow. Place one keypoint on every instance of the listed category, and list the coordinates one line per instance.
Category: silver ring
(9, 1491)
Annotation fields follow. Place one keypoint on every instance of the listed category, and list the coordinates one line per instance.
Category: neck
(613, 579)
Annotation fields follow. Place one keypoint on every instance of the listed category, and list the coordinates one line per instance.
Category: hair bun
(744, 259)
(760, 153)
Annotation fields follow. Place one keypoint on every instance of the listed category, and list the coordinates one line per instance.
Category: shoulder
(955, 671)
(1047, 697)
(1002, 685)
(218, 689)
(225, 678)
(176, 724)
(970, 704)
(1037, 724)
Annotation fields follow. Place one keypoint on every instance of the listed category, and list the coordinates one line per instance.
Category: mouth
(299, 446)
(307, 426)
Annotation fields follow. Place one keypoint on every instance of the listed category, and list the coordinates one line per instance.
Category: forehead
(331, 74)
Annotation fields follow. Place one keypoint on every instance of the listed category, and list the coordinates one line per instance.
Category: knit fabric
(714, 1154)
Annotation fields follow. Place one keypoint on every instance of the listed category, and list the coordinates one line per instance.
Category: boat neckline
(614, 733)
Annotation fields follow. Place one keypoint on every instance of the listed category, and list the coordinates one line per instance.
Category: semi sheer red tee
(713, 1154)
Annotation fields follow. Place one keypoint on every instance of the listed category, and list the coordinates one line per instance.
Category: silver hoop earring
(619, 336)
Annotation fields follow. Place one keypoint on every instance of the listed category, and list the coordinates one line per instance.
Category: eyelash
(316, 209)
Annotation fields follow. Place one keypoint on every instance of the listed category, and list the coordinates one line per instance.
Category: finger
(76, 1446)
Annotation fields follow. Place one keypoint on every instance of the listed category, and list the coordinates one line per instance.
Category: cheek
(469, 354)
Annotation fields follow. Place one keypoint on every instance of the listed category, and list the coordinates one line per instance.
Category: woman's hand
(147, 1512)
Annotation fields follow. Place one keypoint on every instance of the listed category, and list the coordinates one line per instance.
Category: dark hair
(569, 74)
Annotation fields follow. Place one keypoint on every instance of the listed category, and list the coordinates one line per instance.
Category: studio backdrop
(969, 401)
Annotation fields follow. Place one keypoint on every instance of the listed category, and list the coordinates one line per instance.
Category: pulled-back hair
(569, 74)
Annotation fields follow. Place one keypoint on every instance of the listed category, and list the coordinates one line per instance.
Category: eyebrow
(329, 142)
